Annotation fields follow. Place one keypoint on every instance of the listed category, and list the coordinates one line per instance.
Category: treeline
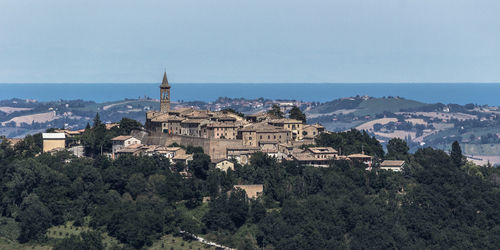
(437, 201)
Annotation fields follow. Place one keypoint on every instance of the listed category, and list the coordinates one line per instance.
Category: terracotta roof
(309, 157)
(198, 121)
(122, 138)
(359, 156)
(160, 118)
(183, 157)
(392, 163)
(323, 150)
(252, 191)
(221, 125)
(261, 127)
(284, 120)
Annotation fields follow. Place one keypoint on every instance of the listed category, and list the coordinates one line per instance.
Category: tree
(296, 113)
(456, 154)
(199, 165)
(84, 241)
(34, 218)
(275, 111)
(397, 149)
(127, 125)
(97, 121)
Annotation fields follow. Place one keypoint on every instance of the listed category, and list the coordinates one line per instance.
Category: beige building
(219, 130)
(393, 165)
(254, 134)
(313, 130)
(316, 156)
(52, 141)
(294, 126)
(252, 191)
(241, 154)
(365, 159)
(123, 141)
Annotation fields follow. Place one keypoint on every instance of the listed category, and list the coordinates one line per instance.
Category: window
(268, 137)
(261, 137)
(274, 137)
(250, 138)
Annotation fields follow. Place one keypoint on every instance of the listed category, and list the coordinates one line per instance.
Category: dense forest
(438, 201)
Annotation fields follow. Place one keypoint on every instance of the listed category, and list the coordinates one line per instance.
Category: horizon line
(251, 82)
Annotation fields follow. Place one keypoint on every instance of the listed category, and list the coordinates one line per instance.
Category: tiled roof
(121, 138)
(392, 163)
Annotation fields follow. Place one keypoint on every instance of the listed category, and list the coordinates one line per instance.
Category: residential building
(253, 191)
(123, 141)
(394, 165)
(52, 141)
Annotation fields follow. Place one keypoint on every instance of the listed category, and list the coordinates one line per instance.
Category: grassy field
(6, 244)
(379, 105)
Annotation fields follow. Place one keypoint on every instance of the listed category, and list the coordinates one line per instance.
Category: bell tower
(164, 95)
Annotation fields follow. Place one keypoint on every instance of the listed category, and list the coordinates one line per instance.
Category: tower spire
(164, 94)
(165, 80)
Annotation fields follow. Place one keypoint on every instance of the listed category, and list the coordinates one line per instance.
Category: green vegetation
(296, 113)
(436, 202)
(375, 106)
(276, 112)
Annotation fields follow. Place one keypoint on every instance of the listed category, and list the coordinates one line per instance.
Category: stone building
(219, 130)
(292, 125)
(262, 133)
(53, 141)
(123, 141)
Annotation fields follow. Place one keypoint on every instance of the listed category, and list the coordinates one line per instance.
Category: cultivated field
(28, 119)
(369, 125)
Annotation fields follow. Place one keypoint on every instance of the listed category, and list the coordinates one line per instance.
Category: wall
(52, 144)
(216, 148)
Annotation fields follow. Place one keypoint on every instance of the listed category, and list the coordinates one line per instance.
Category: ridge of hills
(420, 124)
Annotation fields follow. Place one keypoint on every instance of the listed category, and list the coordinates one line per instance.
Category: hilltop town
(190, 177)
(419, 124)
(227, 136)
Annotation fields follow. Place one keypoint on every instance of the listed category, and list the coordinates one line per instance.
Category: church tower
(164, 95)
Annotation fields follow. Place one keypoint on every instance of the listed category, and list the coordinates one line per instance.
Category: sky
(243, 41)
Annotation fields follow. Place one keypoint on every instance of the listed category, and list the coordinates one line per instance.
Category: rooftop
(122, 138)
(323, 150)
(392, 163)
(53, 136)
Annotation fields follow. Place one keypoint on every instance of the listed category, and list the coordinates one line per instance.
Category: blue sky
(250, 41)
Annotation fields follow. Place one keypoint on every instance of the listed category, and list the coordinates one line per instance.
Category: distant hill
(367, 106)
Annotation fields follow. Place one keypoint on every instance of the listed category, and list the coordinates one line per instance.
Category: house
(123, 141)
(323, 152)
(182, 158)
(241, 154)
(365, 159)
(261, 133)
(252, 191)
(394, 165)
(223, 164)
(133, 149)
(292, 125)
(315, 156)
(311, 131)
(53, 141)
(219, 130)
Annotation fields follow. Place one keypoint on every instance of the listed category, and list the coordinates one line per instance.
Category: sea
(447, 93)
